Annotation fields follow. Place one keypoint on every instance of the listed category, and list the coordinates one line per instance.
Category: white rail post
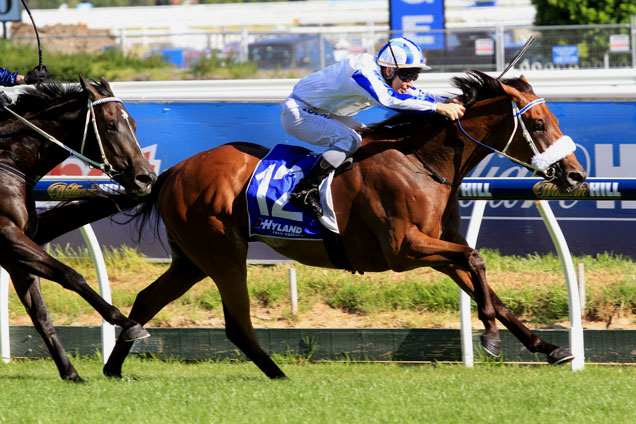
(580, 272)
(5, 345)
(466, 330)
(576, 326)
(293, 291)
(108, 331)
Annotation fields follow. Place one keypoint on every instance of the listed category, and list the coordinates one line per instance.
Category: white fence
(581, 85)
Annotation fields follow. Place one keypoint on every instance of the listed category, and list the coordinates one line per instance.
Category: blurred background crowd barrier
(308, 35)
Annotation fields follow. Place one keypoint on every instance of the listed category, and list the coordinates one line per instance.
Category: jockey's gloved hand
(36, 75)
(4, 99)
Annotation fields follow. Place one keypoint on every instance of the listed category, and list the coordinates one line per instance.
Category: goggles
(408, 74)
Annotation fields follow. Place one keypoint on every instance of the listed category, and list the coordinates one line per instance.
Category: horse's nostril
(145, 179)
(578, 177)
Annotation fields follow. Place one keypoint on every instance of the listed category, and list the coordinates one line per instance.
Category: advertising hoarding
(171, 132)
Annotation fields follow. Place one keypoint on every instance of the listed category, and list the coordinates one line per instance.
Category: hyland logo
(476, 190)
(277, 228)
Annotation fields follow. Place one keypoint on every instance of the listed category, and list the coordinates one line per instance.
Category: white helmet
(407, 55)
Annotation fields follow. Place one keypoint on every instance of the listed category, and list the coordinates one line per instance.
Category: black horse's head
(115, 140)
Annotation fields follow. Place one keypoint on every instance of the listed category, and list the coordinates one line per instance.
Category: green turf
(208, 392)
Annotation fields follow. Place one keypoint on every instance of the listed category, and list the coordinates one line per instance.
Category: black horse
(47, 124)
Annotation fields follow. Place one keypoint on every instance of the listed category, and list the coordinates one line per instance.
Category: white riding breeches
(321, 129)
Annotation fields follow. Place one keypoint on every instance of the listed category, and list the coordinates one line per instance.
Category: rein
(434, 175)
(104, 166)
(541, 162)
(30, 181)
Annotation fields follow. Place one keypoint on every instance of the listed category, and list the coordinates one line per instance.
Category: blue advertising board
(565, 55)
(415, 17)
(10, 11)
(605, 148)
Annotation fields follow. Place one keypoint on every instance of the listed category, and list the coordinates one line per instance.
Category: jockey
(9, 79)
(320, 107)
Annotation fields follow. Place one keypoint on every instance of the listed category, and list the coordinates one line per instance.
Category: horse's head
(544, 147)
(117, 143)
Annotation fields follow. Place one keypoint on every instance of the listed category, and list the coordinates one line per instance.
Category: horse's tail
(146, 212)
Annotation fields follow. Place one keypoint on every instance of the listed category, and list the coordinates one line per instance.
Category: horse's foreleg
(530, 340)
(172, 284)
(28, 290)
(474, 283)
(465, 266)
(17, 251)
(535, 344)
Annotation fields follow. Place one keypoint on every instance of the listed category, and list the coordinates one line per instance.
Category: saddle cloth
(270, 213)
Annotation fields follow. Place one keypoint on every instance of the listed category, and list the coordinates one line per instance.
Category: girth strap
(335, 249)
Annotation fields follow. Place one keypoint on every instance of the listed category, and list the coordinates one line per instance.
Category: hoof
(111, 373)
(560, 356)
(74, 379)
(136, 332)
(491, 345)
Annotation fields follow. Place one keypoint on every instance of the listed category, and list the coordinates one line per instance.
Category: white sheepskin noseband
(557, 151)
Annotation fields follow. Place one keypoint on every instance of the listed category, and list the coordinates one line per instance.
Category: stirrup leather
(309, 197)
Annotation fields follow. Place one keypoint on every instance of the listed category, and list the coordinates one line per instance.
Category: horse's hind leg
(28, 289)
(172, 284)
(226, 264)
(238, 325)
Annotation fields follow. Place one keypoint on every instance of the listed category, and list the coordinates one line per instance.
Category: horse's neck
(462, 154)
(67, 127)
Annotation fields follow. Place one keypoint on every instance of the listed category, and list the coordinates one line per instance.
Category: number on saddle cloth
(270, 213)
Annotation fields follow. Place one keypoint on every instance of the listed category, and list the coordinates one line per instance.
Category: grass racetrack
(237, 392)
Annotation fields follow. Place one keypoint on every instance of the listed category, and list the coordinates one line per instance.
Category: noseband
(541, 162)
(104, 166)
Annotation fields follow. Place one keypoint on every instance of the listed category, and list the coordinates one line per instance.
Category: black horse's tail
(146, 212)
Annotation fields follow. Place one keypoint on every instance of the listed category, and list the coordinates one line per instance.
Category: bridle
(104, 166)
(541, 161)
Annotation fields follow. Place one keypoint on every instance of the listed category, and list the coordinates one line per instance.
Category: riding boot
(307, 192)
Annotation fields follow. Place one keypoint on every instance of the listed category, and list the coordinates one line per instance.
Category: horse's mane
(52, 92)
(475, 86)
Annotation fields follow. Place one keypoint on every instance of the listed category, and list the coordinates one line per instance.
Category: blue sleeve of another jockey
(413, 100)
(7, 78)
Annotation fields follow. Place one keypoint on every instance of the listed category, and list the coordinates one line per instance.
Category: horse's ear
(105, 83)
(522, 78)
(82, 81)
(88, 87)
(512, 92)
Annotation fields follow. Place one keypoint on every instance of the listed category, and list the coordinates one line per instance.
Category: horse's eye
(539, 125)
(111, 126)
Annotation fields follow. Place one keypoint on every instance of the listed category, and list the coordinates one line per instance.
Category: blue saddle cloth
(270, 213)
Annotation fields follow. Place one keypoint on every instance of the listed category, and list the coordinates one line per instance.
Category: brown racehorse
(85, 120)
(396, 209)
